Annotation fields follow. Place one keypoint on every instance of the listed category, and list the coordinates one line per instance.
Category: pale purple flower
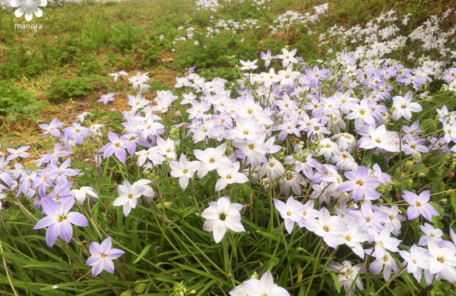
(15, 153)
(107, 98)
(59, 220)
(430, 234)
(52, 128)
(360, 185)
(267, 57)
(419, 205)
(102, 256)
(117, 146)
(384, 262)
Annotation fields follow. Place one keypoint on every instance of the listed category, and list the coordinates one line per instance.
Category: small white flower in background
(81, 117)
(222, 215)
(248, 65)
(81, 193)
(117, 74)
(28, 7)
(139, 80)
(95, 129)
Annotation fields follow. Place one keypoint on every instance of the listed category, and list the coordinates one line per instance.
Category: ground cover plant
(322, 172)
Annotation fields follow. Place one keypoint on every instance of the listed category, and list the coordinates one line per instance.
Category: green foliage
(128, 62)
(96, 29)
(126, 35)
(64, 51)
(21, 62)
(149, 53)
(17, 103)
(158, 85)
(62, 89)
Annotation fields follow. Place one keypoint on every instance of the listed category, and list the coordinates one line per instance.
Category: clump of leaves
(62, 89)
(126, 36)
(16, 102)
(21, 62)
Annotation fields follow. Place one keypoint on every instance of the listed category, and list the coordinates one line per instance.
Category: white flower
(272, 169)
(346, 274)
(81, 193)
(442, 262)
(404, 106)
(264, 286)
(248, 65)
(183, 169)
(229, 174)
(221, 216)
(129, 194)
(29, 7)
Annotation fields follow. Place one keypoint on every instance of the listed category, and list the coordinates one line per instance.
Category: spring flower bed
(325, 177)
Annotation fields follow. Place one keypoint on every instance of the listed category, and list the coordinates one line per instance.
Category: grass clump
(62, 89)
(17, 103)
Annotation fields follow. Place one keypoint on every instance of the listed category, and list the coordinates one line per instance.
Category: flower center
(117, 145)
(347, 238)
(288, 214)
(211, 160)
(61, 218)
(130, 196)
(440, 259)
(222, 216)
(325, 228)
(418, 204)
(251, 146)
(103, 255)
